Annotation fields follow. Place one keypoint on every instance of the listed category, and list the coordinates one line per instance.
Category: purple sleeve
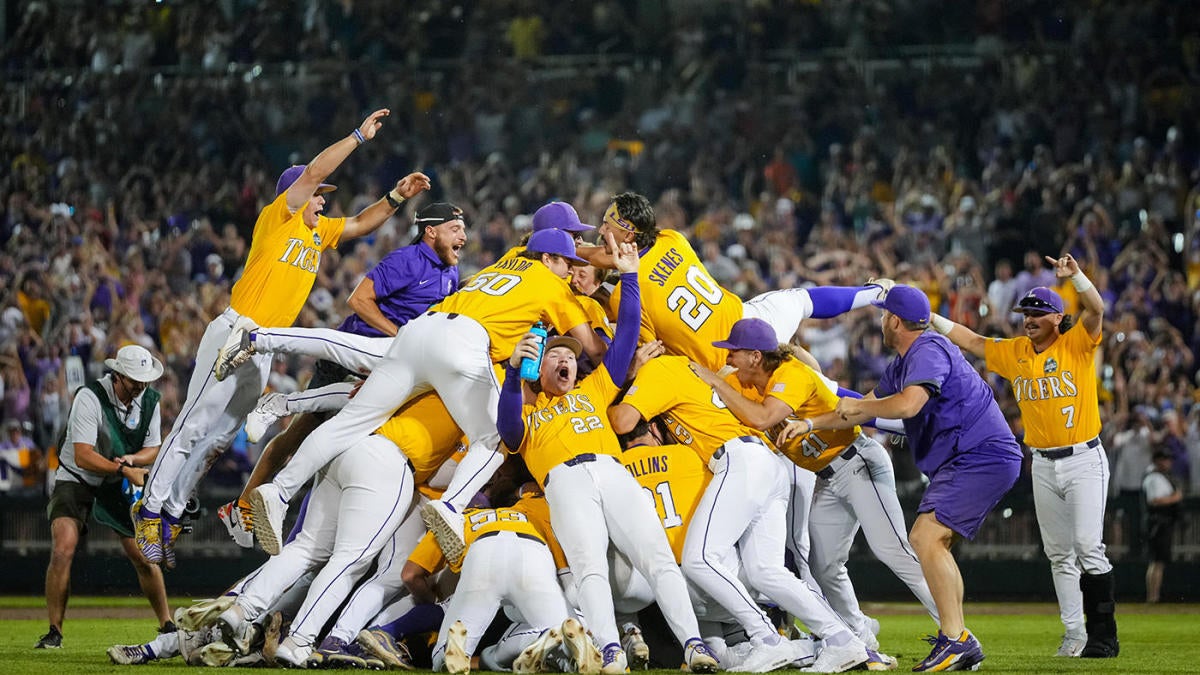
(925, 365)
(509, 422)
(393, 273)
(629, 323)
(843, 392)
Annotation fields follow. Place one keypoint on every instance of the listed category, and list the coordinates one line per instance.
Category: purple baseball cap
(750, 334)
(555, 242)
(906, 302)
(558, 216)
(1040, 300)
(292, 173)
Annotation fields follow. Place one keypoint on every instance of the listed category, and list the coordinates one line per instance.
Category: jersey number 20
(685, 301)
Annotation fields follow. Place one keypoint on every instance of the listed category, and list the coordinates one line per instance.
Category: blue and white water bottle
(531, 368)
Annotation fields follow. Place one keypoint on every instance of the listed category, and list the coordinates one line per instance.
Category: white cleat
(269, 409)
(879, 661)
(457, 659)
(763, 657)
(839, 659)
(869, 633)
(236, 631)
(533, 658)
(1072, 646)
(636, 649)
(613, 660)
(128, 655)
(238, 348)
(446, 524)
(202, 614)
(884, 285)
(237, 522)
(587, 658)
(267, 510)
(216, 654)
(698, 657)
(289, 654)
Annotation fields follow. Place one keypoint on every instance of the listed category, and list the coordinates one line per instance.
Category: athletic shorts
(105, 502)
(1158, 539)
(966, 488)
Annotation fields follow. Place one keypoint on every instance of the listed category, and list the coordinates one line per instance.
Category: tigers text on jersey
(282, 264)
(674, 478)
(682, 304)
(801, 388)
(1055, 390)
(693, 411)
(512, 295)
(558, 428)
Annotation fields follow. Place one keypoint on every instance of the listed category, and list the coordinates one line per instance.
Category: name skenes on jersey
(1056, 389)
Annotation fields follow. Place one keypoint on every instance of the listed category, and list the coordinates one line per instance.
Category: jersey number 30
(685, 301)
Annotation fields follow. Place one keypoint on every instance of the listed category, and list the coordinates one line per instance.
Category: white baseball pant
(800, 494)
(784, 309)
(503, 569)
(594, 501)
(1069, 496)
(356, 353)
(209, 419)
(330, 398)
(860, 490)
(444, 352)
(356, 506)
(745, 507)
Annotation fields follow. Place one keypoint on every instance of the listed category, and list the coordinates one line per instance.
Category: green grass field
(1017, 638)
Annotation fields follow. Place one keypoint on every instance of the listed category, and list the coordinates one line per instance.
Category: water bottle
(531, 368)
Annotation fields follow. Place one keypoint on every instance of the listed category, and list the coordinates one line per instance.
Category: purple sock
(169, 519)
(419, 619)
(831, 301)
(146, 513)
(299, 521)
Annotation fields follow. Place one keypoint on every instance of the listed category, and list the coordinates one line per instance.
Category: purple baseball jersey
(407, 282)
(961, 415)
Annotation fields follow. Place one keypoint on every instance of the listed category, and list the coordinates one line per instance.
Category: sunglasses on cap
(1037, 304)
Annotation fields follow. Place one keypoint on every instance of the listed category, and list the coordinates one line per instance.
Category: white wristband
(941, 324)
(1081, 283)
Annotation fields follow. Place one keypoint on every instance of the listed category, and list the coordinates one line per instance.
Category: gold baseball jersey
(596, 315)
(512, 295)
(427, 554)
(558, 428)
(425, 432)
(535, 507)
(682, 304)
(695, 414)
(674, 478)
(1055, 390)
(801, 388)
(282, 264)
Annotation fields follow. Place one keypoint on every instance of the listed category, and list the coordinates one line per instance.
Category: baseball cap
(437, 213)
(558, 216)
(136, 363)
(555, 242)
(291, 174)
(565, 341)
(906, 302)
(1040, 300)
(750, 334)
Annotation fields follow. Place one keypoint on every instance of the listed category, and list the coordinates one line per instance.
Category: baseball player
(744, 507)
(960, 440)
(682, 304)
(855, 484)
(280, 268)
(403, 285)
(450, 349)
(1053, 374)
(567, 443)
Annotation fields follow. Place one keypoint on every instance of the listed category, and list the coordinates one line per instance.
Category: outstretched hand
(371, 125)
(412, 185)
(1064, 267)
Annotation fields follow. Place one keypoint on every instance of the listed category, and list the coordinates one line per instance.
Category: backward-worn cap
(437, 213)
(1040, 300)
(906, 302)
(565, 341)
(750, 334)
(555, 242)
(558, 216)
(292, 174)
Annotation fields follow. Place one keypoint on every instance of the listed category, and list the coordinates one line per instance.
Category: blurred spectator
(21, 462)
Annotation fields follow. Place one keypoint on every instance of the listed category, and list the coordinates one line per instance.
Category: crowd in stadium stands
(129, 194)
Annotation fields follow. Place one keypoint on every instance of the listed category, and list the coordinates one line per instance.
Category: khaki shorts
(105, 502)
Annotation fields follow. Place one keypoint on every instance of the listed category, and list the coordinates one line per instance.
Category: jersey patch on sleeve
(779, 386)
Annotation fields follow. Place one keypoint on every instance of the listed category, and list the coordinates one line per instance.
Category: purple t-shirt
(407, 282)
(961, 415)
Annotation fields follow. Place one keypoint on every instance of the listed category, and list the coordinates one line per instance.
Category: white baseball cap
(136, 363)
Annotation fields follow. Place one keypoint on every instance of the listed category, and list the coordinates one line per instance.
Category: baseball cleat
(238, 348)
(236, 631)
(588, 660)
(269, 409)
(51, 640)
(698, 657)
(128, 655)
(457, 658)
(203, 613)
(764, 657)
(869, 633)
(613, 660)
(804, 652)
(236, 518)
(289, 654)
(446, 524)
(267, 510)
(147, 532)
(272, 631)
(324, 655)
(636, 649)
(965, 653)
(216, 654)
(877, 660)
(884, 285)
(191, 642)
(1072, 645)
(533, 658)
(170, 535)
(383, 646)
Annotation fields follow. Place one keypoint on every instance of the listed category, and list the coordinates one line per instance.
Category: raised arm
(369, 219)
(629, 314)
(964, 338)
(1092, 314)
(329, 159)
(509, 421)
